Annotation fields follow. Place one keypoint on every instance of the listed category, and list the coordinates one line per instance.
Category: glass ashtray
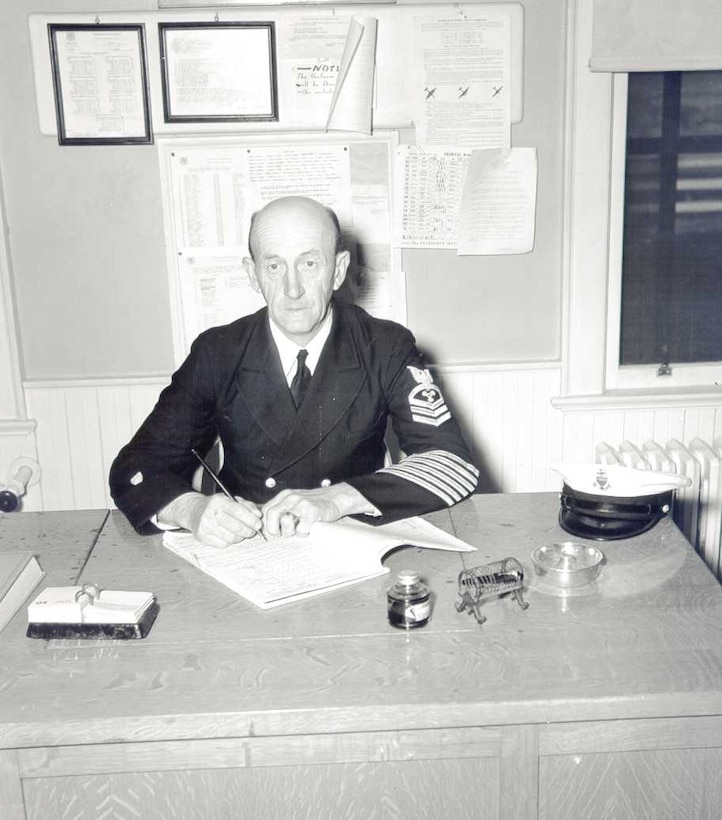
(567, 564)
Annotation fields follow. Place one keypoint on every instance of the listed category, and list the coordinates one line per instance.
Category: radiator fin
(697, 508)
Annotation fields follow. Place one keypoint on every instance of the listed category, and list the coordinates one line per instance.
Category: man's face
(296, 267)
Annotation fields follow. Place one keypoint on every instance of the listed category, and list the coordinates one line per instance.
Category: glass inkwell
(409, 601)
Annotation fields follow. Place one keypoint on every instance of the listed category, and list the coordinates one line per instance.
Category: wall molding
(637, 400)
(17, 427)
(494, 367)
(96, 382)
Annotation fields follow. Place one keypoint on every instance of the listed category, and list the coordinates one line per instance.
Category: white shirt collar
(288, 350)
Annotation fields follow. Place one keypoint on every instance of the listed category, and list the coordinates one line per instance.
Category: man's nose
(294, 284)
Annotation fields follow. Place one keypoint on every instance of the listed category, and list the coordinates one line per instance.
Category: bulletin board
(395, 69)
(433, 296)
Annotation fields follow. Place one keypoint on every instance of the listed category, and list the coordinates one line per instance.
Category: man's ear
(343, 260)
(250, 268)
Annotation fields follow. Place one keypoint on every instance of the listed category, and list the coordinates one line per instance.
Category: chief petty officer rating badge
(426, 401)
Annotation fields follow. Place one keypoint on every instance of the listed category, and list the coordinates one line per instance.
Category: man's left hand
(293, 512)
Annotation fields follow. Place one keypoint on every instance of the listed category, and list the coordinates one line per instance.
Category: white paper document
(218, 190)
(309, 57)
(101, 76)
(462, 87)
(282, 570)
(498, 203)
(218, 69)
(351, 104)
(215, 290)
(429, 187)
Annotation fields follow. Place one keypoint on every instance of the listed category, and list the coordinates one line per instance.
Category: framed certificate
(218, 72)
(101, 83)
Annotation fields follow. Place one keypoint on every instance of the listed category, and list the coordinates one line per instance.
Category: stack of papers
(282, 570)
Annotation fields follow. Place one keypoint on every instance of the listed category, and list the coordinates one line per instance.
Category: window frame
(621, 377)
(593, 221)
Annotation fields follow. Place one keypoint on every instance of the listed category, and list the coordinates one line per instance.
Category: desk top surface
(641, 641)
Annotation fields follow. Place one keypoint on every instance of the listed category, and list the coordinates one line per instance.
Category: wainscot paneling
(511, 416)
(637, 419)
(506, 415)
(81, 425)
(508, 419)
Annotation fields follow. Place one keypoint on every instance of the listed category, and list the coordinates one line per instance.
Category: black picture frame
(135, 130)
(215, 109)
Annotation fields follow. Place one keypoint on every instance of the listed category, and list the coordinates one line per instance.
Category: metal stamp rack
(478, 584)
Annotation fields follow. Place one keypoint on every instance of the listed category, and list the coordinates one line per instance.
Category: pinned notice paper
(498, 203)
(352, 100)
(461, 86)
(429, 188)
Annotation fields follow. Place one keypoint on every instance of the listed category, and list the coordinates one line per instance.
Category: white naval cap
(617, 480)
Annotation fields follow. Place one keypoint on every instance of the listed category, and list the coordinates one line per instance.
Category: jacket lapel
(336, 382)
(262, 385)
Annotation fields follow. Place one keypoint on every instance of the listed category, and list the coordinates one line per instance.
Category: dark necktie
(301, 379)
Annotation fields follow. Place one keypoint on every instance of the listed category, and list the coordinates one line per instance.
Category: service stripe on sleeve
(438, 471)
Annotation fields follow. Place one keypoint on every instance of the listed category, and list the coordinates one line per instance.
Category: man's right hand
(215, 520)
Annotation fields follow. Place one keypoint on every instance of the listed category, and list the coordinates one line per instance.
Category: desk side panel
(12, 806)
(367, 791)
(668, 784)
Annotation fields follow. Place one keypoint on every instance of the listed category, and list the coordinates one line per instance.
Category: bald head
(296, 264)
(293, 210)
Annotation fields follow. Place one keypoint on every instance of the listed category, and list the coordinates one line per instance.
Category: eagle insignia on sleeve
(426, 402)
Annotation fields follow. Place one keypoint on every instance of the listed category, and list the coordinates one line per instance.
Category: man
(291, 460)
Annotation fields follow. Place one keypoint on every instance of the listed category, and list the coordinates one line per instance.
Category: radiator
(697, 508)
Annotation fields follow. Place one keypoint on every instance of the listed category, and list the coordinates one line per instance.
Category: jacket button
(326, 482)
(270, 482)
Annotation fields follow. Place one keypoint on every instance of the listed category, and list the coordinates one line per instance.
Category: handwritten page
(352, 100)
(498, 203)
(282, 570)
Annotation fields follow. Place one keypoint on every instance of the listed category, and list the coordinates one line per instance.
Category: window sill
(648, 399)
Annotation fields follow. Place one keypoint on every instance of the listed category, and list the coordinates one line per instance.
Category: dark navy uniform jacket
(232, 386)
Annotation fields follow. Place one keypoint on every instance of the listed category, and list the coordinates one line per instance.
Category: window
(595, 163)
(665, 283)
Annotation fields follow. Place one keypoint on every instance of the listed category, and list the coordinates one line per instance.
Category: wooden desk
(605, 703)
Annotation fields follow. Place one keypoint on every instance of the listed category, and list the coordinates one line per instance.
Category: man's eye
(310, 263)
